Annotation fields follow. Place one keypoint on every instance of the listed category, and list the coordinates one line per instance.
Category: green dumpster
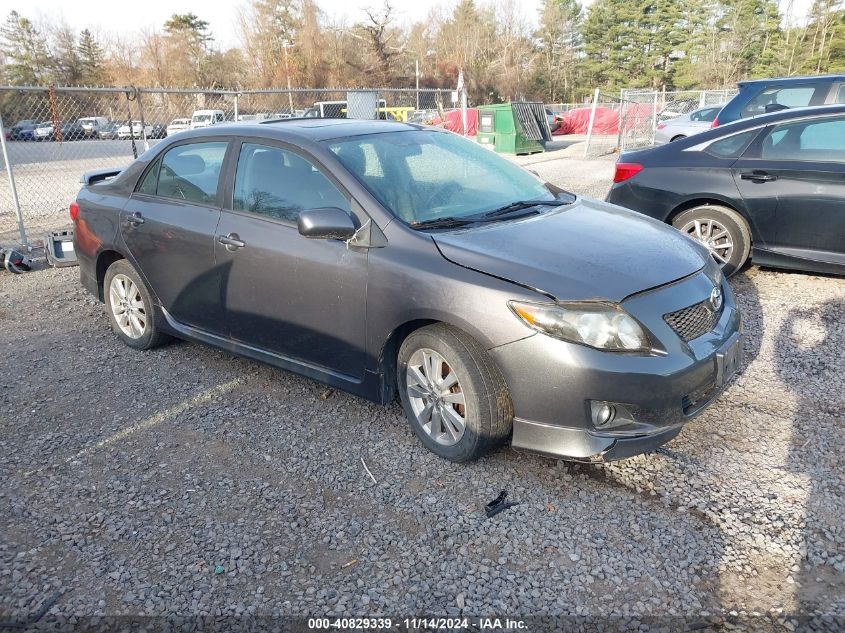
(513, 128)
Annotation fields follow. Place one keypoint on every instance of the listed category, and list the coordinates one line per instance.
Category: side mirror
(327, 223)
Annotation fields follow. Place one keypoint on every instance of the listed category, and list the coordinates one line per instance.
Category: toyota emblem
(716, 299)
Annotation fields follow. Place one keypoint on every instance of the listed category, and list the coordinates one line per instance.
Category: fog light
(603, 413)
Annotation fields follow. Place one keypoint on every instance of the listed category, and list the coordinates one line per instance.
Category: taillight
(626, 170)
(660, 126)
(715, 123)
(74, 211)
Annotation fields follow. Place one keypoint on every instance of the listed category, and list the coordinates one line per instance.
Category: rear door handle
(135, 219)
(758, 176)
(232, 241)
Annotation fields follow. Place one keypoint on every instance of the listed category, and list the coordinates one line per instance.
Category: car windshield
(425, 175)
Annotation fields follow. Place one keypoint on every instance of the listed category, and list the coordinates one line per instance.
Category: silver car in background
(686, 124)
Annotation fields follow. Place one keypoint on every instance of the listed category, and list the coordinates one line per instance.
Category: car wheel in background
(722, 230)
(678, 138)
(453, 394)
(133, 315)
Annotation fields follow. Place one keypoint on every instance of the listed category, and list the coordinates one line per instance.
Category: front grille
(691, 322)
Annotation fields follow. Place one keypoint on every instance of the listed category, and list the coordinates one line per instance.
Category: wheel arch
(389, 352)
(105, 259)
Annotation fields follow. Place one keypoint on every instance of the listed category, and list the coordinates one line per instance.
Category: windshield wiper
(442, 223)
(519, 205)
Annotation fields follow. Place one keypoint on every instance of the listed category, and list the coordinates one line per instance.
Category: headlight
(604, 326)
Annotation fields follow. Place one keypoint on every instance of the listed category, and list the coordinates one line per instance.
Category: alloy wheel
(713, 235)
(436, 397)
(127, 306)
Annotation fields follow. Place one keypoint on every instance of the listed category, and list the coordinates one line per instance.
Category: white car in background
(204, 118)
(685, 125)
(43, 131)
(93, 124)
(124, 132)
(177, 125)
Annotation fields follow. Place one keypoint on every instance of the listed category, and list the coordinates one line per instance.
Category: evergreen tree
(68, 70)
(633, 42)
(822, 43)
(28, 60)
(558, 41)
(91, 58)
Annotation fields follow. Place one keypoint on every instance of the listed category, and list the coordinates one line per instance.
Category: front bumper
(552, 382)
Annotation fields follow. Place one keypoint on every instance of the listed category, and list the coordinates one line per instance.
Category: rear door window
(812, 141)
(790, 97)
(839, 95)
(191, 172)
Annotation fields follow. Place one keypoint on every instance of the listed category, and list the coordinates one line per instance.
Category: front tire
(132, 313)
(722, 231)
(454, 396)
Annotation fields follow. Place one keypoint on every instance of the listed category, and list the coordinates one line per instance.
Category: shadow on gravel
(810, 350)
(748, 300)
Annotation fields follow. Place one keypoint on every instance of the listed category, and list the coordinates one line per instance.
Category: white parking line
(150, 422)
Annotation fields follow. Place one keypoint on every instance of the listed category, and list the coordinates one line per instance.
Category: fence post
(143, 120)
(236, 106)
(654, 120)
(592, 120)
(623, 124)
(15, 200)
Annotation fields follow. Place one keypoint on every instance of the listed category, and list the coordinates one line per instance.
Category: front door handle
(758, 176)
(232, 242)
(135, 219)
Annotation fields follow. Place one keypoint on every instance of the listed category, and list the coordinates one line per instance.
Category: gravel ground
(186, 481)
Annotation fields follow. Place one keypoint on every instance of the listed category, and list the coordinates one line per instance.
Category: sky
(102, 17)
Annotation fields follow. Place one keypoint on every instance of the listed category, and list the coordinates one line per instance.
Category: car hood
(587, 250)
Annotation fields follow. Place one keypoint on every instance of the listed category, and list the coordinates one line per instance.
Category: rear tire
(133, 315)
(454, 396)
(722, 230)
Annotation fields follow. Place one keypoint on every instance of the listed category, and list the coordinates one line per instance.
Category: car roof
(782, 115)
(306, 129)
(791, 80)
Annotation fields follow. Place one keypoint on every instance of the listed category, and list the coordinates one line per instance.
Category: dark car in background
(73, 132)
(772, 188)
(158, 130)
(764, 96)
(382, 257)
(23, 130)
(109, 130)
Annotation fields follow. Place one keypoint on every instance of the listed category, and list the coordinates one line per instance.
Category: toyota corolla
(386, 258)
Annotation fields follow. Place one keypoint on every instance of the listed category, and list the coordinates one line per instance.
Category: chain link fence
(615, 124)
(54, 135)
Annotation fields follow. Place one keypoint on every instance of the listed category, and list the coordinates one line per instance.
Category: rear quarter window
(731, 146)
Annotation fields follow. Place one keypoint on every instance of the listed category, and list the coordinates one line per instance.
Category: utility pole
(417, 73)
(287, 74)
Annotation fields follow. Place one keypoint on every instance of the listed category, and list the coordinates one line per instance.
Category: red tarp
(577, 121)
(452, 121)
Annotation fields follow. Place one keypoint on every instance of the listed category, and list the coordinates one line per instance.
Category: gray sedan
(386, 258)
(686, 125)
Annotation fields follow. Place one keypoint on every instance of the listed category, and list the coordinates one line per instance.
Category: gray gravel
(186, 481)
